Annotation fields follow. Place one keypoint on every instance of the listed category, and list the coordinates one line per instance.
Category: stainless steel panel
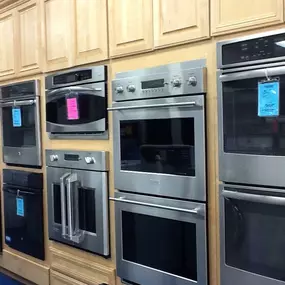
(145, 275)
(231, 275)
(56, 158)
(99, 242)
(98, 74)
(250, 37)
(185, 187)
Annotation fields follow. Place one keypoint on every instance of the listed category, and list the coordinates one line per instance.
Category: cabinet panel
(58, 33)
(90, 31)
(60, 279)
(7, 46)
(179, 21)
(231, 15)
(29, 37)
(130, 26)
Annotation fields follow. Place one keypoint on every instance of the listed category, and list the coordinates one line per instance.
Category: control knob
(192, 81)
(54, 157)
(119, 89)
(90, 160)
(176, 82)
(131, 88)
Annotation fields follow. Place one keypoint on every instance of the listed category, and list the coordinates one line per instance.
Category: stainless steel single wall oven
(20, 115)
(251, 83)
(78, 199)
(159, 130)
(159, 165)
(76, 103)
(252, 235)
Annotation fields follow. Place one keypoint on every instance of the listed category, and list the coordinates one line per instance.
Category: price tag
(72, 108)
(16, 117)
(20, 206)
(268, 99)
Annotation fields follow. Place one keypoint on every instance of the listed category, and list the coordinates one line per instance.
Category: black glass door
(20, 131)
(255, 237)
(160, 243)
(158, 146)
(244, 130)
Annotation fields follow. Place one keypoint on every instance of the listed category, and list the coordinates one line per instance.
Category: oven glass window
(246, 132)
(158, 146)
(166, 245)
(89, 108)
(24, 135)
(255, 237)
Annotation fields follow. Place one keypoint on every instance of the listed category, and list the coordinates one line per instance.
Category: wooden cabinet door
(29, 51)
(59, 46)
(130, 26)
(180, 21)
(8, 44)
(90, 31)
(229, 16)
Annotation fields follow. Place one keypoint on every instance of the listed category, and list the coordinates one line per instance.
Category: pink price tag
(72, 109)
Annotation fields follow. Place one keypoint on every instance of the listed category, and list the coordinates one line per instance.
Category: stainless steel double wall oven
(251, 85)
(159, 165)
(20, 115)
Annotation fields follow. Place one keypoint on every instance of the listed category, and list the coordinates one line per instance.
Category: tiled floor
(5, 280)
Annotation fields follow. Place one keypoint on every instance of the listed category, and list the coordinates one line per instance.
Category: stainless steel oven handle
(62, 202)
(70, 207)
(254, 198)
(196, 211)
(72, 88)
(166, 105)
(18, 103)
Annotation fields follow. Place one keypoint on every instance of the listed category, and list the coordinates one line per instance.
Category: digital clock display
(158, 83)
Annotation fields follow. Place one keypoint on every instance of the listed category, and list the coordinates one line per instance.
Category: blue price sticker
(20, 206)
(16, 117)
(268, 99)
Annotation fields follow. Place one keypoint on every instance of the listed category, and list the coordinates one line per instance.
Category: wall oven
(160, 240)
(251, 82)
(76, 103)
(252, 236)
(78, 199)
(159, 130)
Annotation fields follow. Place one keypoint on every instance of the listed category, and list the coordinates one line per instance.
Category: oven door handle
(254, 198)
(73, 88)
(196, 211)
(18, 103)
(166, 105)
(62, 200)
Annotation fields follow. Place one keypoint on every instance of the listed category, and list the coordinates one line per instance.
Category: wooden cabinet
(229, 16)
(179, 21)
(28, 37)
(130, 26)
(90, 31)
(8, 44)
(57, 278)
(75, 32)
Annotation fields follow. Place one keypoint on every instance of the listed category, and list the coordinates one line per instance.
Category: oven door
(160, 241)
(159, 147)
(252, 148)
(78, 209)
(252, 225)
(77, 109)
(21, 135)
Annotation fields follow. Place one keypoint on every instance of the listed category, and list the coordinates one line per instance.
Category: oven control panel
(174, 82)
(243, 51)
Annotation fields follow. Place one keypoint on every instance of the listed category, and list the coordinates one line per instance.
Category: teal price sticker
(20, 206)
(16, 117)
(268, 99)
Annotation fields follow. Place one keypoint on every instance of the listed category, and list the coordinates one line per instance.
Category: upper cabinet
(179, 21)
(75, 32)
(229, 16)
(141, 25)
(130, 26)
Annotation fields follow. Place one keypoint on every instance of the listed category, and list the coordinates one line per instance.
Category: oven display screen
(158, 83)
(71, 157)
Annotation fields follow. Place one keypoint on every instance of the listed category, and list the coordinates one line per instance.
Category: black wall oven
(76, 103)
(20, 114)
